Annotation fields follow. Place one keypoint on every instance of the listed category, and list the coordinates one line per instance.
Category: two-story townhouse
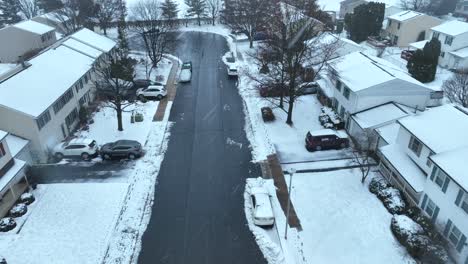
(453, 37)
(18, 41)
(462, 8)
(43, 107)
(347, 6)
(60, 22)
(12, 177)
(407, 162)
(445, 199)
(362, 82)
(406, 27)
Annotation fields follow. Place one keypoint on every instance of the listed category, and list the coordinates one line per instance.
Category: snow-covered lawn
(71, 223)
(342, 221)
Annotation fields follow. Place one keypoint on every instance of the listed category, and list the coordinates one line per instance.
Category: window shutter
(446, 183)
(461, 243)
(447, 227)
(434, 171)
(459, 197)
(423, 204)
(436, 213)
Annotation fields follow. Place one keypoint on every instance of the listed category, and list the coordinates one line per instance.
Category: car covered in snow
(152, 91)
(186, 72)
(326, 139)
(77, 147)
(232, 71)
(124, 149)
(262, 212)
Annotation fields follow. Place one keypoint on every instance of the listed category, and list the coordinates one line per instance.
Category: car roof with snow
(77, 141)
(125, 142)
(327, 132)
(263, 204)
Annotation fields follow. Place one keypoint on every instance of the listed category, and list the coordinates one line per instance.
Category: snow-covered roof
(344, 46)
(16, 144)
(34, 27)
(405, 166)
(6, 67)
(36, 88)
(453, 163)
(462, 53)
(379, 115)
(359, 71)
(94, 40)
(441, 128)
(452, 28)
(389, 132)
(83, 48)
(405, 15)
(3, 134)
(419, 45)
(326, 132)
(11, 174)
(55, 17)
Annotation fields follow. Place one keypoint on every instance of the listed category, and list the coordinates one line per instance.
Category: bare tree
(114, 79)
(363, 151)
(67, 18)
(456, 88)
(247, 16)
(415, 5)
(214, 8)
(296, 52)
(29, 8)
(107, 11)
(154, 31)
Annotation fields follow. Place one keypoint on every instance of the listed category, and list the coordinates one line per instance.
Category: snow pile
(27, 198)
(125, 242)
(7, 224)
(18, 210)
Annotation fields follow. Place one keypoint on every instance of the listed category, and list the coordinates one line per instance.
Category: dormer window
(415, 145)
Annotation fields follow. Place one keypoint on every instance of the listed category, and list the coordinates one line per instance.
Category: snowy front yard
(342, 221)
(71, 223)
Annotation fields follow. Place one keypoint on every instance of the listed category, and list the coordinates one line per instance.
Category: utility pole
(291, 173)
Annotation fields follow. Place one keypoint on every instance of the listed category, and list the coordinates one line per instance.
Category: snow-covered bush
(7, 224)
(413, 237)
(393, 200)
(27, 198)
(18, 210)
(378, 184)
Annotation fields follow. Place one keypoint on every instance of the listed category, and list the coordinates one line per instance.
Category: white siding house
(362, 82)
(453, 37)
(41, 102)
(426, 161)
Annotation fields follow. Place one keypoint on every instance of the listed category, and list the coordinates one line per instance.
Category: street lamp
(291, 173)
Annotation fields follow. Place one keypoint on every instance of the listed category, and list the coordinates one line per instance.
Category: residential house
(347, 6)
(13, 181)
(406, 27)
(462, 8)
(453, 37)
(41, 106)
(426, 162)
(361, 82)
(21, 41)
(60, 22)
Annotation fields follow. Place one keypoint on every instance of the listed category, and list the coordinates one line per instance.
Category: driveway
(198, 213)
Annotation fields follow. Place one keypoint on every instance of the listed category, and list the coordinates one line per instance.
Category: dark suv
(122, 149)
(326, 139)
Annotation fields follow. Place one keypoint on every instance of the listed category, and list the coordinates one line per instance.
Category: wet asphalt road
(198, 213)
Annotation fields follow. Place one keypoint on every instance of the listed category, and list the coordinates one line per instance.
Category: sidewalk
(171, 87)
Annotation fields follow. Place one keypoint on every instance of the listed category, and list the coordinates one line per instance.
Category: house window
(429, 161)
(71, 117)
(346, 92)
(415, 145)
(63, 100)
(86, 78)
(440, 178)
(399, 25)
(342, 111)
(448, 40)
(2, 150)
(430, 207)
(435, 35)
(389, 23)
(442, 54)
(43, 38)
(335, 103)
(338, 85)
(464, 203)
(43, 119)
(84, 99)
(454, 235)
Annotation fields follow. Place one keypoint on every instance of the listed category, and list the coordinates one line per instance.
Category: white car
(78, 147)
(232, 71)
(262, 211)
(185, 75)
(152, 91)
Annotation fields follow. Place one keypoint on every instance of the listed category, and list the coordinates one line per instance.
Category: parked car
(326, 139)
(260, 36)
(130, 149)
(153, 91)
(144, 83)
(262, 211)
(308, 88)
(232, 71)
(78, 147)
(186, 72)
(267, 114)
(273, 90)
